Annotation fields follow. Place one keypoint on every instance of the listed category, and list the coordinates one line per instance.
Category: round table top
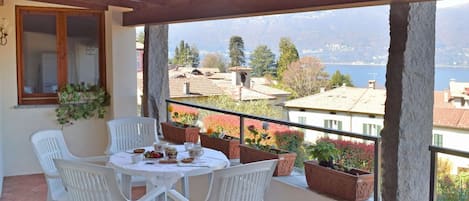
(168, 174)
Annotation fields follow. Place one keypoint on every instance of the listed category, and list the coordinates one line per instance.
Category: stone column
(155, 73)
(408, 119)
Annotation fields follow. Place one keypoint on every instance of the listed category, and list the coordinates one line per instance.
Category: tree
(186, 55)
(237, 51)
(141, 37)
(338, 79)
(194, 55)
(214, 60)
(262, 60)
(305, 77)
(288, 54)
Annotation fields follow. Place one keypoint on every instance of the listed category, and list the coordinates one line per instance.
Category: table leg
(126, 185)
(185, 186)
(150, 187)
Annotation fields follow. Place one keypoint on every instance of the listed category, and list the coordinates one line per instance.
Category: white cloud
(451, 3)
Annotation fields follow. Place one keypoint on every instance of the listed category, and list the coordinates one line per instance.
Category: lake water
(360, 74)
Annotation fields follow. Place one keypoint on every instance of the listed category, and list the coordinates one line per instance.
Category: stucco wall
(84, 138)
(1, 135)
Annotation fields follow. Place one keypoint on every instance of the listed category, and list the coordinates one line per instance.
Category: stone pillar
(155, 73)
(408, 119)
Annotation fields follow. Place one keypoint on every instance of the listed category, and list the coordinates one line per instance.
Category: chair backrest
(246, 182)
(49, 145)
(88, 182)
(130, 132)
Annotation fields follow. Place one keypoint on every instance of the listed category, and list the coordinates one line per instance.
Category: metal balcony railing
(375, 139)
(434, 150)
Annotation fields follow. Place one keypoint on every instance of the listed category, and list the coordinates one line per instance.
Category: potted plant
(219, 141)
(81, 101)
(181, 128)
(257, 150)
(323, 175)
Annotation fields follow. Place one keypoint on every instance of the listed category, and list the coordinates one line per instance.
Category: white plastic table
(166, 175)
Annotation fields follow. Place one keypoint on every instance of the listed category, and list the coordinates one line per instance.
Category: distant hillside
(358, 35)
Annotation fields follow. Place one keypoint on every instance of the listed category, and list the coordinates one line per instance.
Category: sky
(441, 4)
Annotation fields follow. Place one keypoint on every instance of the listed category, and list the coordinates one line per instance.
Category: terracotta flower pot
(286, 160)
(179, 135)
(354, 187)
(229, 147)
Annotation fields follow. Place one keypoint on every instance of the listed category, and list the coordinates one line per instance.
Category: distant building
(459, 94)
(361, 110)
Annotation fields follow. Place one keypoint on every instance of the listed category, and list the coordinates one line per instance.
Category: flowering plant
(216, 134)
(258, 138)
(182, 116)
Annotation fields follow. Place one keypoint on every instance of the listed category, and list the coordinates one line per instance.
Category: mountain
(356, 35)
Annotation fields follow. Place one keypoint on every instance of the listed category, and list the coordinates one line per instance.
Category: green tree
(305, 77)
(262, 60)
(141, 37)
(236, 49)
(214, 60)
(288, 54)
(194, 55)
(338, 79)
(186, 55)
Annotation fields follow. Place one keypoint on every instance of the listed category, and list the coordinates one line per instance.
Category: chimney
(185, 89)
(446, 97)
(371, 84)
(322, 89)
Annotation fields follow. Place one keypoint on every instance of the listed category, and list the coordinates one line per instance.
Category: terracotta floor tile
(34, 188)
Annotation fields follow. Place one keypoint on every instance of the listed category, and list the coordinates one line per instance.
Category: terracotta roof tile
(198, 86)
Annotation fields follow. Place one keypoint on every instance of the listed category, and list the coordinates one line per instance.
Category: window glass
(39, 53)
(57, 46)
(83, 49)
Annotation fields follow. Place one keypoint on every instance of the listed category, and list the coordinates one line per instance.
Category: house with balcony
(46, 44)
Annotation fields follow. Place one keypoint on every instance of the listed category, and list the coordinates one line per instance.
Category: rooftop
(198, 87)
(345, 99)
(371, 101)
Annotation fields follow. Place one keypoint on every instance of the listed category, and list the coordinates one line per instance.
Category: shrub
(291, 140)
(354, 154)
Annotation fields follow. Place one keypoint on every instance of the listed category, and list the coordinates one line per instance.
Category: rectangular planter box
(179, 135)
(339, 184)
(229, 147)
(285, 163)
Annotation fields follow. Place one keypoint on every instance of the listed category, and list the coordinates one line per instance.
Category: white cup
(188, 145)
(159, 147)
(136, 158)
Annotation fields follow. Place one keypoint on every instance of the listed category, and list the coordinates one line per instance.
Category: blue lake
(360, 74)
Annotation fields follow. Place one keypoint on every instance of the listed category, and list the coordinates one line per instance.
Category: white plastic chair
(247, 182)
(130, 132)
(88, 182)
(49, 145)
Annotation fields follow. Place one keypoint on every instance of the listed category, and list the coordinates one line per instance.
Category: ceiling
(173, 11)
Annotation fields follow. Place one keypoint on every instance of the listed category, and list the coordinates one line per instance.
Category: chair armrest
(103, 158)
(150, 196)
(52, 175)
(176, 196)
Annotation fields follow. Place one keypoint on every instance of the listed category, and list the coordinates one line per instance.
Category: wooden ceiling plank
(195, 10)
(91, 4)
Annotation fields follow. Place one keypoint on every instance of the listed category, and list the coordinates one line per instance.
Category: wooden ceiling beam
(195, 10)
(93, 4)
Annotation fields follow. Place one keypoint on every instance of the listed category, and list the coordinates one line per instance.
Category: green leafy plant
(324, 152)
(258, 138)
(182, 119)
(81, 101)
